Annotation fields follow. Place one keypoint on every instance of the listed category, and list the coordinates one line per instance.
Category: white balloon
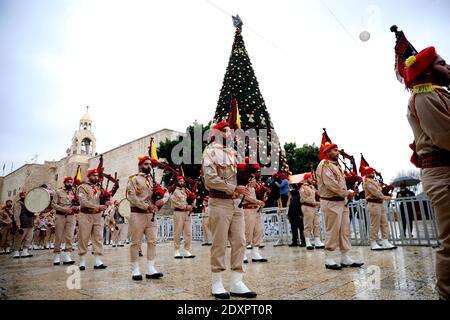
(364, 36)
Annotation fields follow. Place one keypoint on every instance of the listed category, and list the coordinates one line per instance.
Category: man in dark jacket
(295, 217)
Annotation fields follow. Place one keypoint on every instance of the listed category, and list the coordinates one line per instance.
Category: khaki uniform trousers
(311, 220)
(337, 224)
(182, 223)
(23, 241)
(378, 221)
(436, 183)
(4, 237)
(253, 228)
(140, 224)
(64, 231)
(206, 230)
(227, 223)
(90, 226)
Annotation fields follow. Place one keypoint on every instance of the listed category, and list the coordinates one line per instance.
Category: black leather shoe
(321, 247)
(302, 245)
(28, 256)
(353, 265)
(82, 268)
(246, 261)
(189, 257)
(137, 278)
(154, 276)
(140, 254)
(204, 244)
(56, 263)
(102, 266)
(68, 262)
(178, 257)
(249, 294)
(310, 248)
(333, 267)
(261, 247)
(293, 245)
(260, 260)
(222, 296)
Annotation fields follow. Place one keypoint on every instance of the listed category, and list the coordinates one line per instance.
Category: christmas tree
(240, 83)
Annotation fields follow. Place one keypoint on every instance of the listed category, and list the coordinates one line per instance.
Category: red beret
(23, 193)
(180, 177)
(307, 176)
(91, 172)
(416, 65)
(221, 125)
(329, 146)
(68, 178)
(141, 160)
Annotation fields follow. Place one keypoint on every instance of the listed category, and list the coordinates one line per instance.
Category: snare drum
(124, 208)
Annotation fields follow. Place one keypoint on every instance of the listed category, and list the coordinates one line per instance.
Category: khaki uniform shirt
(429, 117)
(331, 180)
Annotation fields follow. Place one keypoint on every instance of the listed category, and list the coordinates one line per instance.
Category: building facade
(121, 160)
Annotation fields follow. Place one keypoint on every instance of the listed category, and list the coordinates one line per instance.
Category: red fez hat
(141, 160)
(91, 172)
(329, 146)
(307, 176)
(221, 125)
(68, 178)
(416, 65)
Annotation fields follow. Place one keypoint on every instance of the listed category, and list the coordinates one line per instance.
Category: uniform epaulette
(131, 178)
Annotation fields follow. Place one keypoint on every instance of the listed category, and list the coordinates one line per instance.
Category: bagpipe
(386, 189)
(245, 173)
(105, 195)
(352, 179)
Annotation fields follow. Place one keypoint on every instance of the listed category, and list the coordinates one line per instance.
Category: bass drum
(37, 200)
(125, 208)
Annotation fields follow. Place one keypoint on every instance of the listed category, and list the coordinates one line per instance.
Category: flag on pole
(234, 119)
(363, 165)
(325, 140)
(152, 151)
(77, 180)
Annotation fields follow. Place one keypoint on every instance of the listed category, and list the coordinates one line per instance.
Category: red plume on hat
(403, 50)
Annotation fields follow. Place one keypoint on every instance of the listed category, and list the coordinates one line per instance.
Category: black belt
(379, 201)
(308, 204)
(221, 195)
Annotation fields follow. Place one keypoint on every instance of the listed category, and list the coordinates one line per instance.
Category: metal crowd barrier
(411, 223)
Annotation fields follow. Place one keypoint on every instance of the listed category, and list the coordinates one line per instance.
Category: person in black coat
(295, 217)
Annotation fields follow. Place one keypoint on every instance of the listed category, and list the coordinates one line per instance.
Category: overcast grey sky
(146, 65)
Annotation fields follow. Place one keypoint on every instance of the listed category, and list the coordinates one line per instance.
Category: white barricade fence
(411, 223)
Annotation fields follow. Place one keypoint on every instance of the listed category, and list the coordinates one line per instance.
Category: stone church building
(121, 160)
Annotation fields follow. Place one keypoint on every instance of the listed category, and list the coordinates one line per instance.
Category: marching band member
(311, 216)
(142, 221)
(6, 223)
(24, 220)
(333, 193)
(66, 206)
(182, 219)
(226, 218)
(90, 221)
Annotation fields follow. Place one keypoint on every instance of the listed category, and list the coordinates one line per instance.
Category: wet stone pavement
(291, 274)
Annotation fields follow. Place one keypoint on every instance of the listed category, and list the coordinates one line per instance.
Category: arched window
(86, 146)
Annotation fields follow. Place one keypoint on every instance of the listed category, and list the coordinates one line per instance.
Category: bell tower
(83, 141)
